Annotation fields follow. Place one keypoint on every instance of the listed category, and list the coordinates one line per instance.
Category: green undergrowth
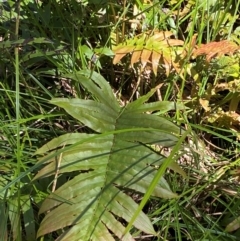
(119, 120)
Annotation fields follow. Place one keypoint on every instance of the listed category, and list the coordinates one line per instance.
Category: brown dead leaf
(167, 62)
(205, 104)
(135, 57)
(155, 60)
(145, 57)
(216, 49)
(174, 42)
(117, 58)
(158, 36)
(121, 51)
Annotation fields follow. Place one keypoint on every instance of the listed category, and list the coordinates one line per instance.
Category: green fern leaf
(106, 164)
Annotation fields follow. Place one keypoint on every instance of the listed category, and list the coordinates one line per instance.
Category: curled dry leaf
(205, 104)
